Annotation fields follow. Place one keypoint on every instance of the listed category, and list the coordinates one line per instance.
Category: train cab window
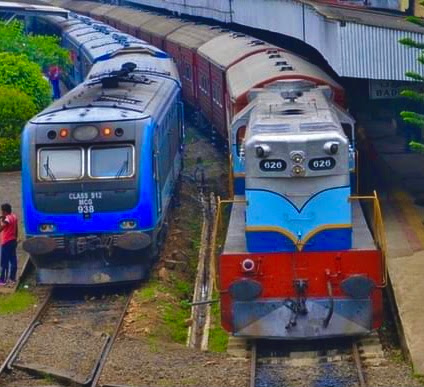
(111, 162)
(241, 133)
(204, 84)
(60, 164)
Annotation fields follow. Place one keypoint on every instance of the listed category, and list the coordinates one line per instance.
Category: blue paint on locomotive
(274, 224)
(102, 222)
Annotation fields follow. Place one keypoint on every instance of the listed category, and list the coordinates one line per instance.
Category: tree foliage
(411, 117)
(19, 72)
(42, 49)
(10, 154)
(16, 108)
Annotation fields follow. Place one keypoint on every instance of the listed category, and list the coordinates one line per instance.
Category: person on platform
(54, 77)
(9, 242)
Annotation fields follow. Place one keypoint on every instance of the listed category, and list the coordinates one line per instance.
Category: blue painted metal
(269, 318)
(329, 208)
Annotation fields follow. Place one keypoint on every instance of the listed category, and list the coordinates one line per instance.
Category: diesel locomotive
(299, 261)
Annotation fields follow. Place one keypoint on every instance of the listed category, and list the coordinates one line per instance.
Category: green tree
(16, 108)
(42, 49)
(19, 72)
(410, 117)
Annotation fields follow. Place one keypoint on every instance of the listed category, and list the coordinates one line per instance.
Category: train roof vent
(118, 99)
(314, 127)
(292, 112)
(269, 52)
(273, 129)
(238, 35)
(281, 62)
(286, 68)
(273, 56)
(256, 42)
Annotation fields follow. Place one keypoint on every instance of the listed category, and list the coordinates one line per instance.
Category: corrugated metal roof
(194, 35)
(120, 14)
(236, 46)
(162, 25)
(356, 43)
(212, 9)
(260, 68)
(83, 6)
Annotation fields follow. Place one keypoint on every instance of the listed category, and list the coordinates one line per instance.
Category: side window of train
(187, 71)
(241, 133)
(216, 94)
(204, 84)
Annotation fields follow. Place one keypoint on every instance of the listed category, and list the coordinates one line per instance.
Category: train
(100, 164)
(299, 260)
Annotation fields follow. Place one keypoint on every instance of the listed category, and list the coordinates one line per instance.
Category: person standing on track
(9, 242)
(54, 77)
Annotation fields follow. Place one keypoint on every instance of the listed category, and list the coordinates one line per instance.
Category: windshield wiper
(49, 170)
(124, 167)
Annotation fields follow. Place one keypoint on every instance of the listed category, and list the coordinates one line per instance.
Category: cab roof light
(63, 133)
(107, 132)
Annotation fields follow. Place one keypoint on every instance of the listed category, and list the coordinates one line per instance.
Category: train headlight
(63, 133)
(128, 224)
(298, 170)
(85, 133)
(47, 227)
(262, 150)
(248, 265)
(297, 157)
(331, 147)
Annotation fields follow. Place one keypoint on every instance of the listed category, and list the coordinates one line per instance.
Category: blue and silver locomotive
(100, 168)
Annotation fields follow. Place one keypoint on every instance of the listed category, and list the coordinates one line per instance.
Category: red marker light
(107, 132)
(63, 133)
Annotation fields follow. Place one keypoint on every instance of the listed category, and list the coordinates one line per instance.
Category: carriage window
(187, 72)
(60, 164)
(111, 162)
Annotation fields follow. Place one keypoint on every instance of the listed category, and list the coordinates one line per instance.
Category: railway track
(330, 363)
(68, 340)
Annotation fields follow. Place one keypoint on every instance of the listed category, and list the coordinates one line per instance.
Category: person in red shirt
(9, 242)
(54, 77)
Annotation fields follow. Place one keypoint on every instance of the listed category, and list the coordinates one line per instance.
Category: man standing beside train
(9, 242)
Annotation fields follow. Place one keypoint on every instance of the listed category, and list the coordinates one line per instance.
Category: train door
(156, 172)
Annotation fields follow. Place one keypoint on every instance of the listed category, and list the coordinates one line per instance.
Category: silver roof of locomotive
(275, 114)
(91, 102)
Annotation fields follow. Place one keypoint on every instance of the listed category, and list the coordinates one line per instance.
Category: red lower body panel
(302, 294)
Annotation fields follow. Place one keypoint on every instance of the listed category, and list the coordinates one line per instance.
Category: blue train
(100, 165)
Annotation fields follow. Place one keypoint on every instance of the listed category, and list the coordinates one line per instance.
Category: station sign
(381, 89)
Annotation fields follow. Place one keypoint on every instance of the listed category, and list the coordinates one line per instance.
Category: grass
(174, 318)
(218, 337)
(16, 302)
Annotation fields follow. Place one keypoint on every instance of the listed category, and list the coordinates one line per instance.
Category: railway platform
(399, 179)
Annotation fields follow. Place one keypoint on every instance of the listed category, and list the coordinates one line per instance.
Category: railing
(378, 230)
(216, 228)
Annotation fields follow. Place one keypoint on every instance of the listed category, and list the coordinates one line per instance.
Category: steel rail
(5, 367)
(108, 347)
(253, 358)
(358, 364)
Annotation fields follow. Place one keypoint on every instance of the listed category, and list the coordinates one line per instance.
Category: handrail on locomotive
(377, 229)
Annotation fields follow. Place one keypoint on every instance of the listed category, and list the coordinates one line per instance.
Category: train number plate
(275, 165)
(85, 201)
(322, 164)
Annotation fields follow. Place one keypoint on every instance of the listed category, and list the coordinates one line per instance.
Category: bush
(42, 49)
(10, 154)
(18, 71)
(15, 109)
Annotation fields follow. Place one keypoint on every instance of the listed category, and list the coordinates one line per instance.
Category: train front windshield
(95, 162)
(60, 164)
